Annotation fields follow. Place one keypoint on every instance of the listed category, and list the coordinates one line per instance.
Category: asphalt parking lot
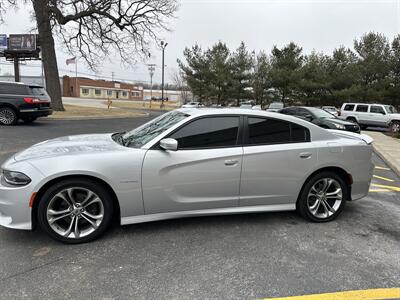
(239, 256)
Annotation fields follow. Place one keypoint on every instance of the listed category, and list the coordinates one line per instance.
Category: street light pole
(152, 68)
(163, 46)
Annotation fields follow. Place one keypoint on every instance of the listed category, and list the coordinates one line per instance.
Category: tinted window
(271, 131)
(303, 112)
(349, 107)
(208, 133)
(362, 108)
(377, 109)
(289, 111)
(13, 89)
(38, 91)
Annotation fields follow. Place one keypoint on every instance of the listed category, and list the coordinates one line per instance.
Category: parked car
(331, 109)
(321, 118)
(22, 101)
(373, 115)
(188, 162)
(275, 107)
(193, 105)
(246, 106)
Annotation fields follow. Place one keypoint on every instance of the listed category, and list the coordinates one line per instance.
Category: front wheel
(75, 211)
(395, 127)
(323, 197)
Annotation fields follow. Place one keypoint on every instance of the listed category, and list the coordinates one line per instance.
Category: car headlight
(340, 126)
(15, 178)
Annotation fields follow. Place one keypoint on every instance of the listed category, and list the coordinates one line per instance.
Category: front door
(204, 173)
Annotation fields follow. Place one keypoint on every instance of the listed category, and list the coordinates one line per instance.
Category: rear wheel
(8, 116)
(75, 211)
(351, 119)
(323, 197)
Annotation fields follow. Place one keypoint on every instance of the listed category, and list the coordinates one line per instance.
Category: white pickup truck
(371, 115)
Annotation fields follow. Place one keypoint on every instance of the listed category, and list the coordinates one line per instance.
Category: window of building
(85, 91)
(97, 92)
(349, 107)
(135, 94)
(211, 132)
(109, 93)
(262, 131)
(362, 108)
(124, 94)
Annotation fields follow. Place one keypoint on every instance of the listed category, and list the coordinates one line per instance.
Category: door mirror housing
(169, 144)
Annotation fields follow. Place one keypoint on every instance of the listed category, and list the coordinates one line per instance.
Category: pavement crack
(30, 270)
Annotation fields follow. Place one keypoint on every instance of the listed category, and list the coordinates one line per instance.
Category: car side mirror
(169, 144)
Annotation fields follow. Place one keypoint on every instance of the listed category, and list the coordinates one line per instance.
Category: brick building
(100, 89)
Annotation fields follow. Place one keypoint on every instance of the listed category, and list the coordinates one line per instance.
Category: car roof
(355, 103)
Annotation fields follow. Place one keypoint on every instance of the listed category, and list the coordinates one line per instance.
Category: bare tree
(96, 29)
(179, 81)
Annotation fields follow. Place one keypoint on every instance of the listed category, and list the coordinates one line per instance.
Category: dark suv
(23, 101)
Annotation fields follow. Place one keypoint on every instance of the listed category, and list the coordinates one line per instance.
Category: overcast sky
(321, 25)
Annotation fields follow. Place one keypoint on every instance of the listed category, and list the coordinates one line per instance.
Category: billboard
(3, 42)
(22, 42)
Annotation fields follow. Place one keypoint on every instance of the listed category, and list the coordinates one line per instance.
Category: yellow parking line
(378, 190)
(383, 178)
(393, 188)
(382, 168)
(373, 294)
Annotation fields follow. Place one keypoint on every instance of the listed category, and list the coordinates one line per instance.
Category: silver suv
(374, 115)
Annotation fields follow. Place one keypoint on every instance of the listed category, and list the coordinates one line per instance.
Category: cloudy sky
(314, 24)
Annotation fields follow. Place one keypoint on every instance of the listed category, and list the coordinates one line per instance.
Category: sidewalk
(387, 148)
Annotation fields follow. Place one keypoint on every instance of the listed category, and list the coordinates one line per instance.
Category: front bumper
(14, 201)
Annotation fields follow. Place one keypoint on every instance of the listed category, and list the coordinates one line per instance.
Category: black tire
(78, 183)
(29, 120)
(8, 116)
(351, 119)
(394, 127)
(363, 127)
(303, 205)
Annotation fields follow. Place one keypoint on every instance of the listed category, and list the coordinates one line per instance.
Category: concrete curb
(387, 160)
(97, 118)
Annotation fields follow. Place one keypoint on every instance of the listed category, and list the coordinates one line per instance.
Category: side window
(349, 107)
(263, 131)
(289, 111)
(14, 89)
(377, 110)
(208, 133)
(303, 112)
(362, 108)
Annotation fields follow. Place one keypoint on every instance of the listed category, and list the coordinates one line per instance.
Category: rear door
(276, 155)
(204, 173)
(362, 114)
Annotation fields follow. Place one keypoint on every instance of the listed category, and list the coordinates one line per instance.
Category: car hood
(338, 121)
(69, 145)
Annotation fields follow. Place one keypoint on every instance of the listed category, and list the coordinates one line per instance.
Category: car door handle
(231, 162)
(305, 155)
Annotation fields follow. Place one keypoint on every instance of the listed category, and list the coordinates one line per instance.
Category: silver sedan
(188, 162)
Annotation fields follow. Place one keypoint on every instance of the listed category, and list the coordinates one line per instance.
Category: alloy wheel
(75, 212)
(324, 198)
(7, 116)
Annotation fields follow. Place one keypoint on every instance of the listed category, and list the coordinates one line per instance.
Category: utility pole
(163, 46)
(112, 76)
(16, 69)
(152, 69)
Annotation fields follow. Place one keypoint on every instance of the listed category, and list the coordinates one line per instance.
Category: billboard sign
(22, 42)
(3, 42)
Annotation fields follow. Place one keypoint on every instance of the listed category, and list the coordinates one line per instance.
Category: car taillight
(34, 100)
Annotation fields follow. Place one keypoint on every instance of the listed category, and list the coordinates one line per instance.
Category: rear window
(349, 107)
(13, 89)
(37, 91)
(362, 108)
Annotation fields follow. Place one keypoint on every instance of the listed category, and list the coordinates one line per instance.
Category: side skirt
(206, 212)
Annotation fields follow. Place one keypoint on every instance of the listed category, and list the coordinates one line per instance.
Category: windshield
(390, 109)
(38, 91)
(276, 105)
(320, 113)
(329, 108)
(145, 133)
